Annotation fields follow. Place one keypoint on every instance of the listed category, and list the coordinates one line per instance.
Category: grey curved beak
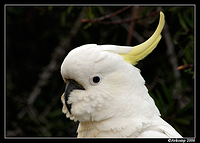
(70, 86)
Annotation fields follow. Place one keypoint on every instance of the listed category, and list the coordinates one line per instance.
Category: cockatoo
(106, 93)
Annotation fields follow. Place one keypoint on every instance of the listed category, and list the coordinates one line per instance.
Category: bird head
(101, 81)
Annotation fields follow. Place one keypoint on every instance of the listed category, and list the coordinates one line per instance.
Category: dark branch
(121, 21)
(106, 16)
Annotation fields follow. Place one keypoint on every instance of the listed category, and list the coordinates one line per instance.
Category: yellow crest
(141, 51)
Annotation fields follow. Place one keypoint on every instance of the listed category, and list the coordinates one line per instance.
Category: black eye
(95, 79)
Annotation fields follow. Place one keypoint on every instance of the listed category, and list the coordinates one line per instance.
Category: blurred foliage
(32, 34)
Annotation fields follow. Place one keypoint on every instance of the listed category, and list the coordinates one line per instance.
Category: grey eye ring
(95, 79)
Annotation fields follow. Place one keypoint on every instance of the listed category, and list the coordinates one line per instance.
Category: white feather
(119, 106)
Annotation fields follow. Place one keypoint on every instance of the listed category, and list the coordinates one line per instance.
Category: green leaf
(176, 42)
(101, 9)
(188, 17)
(182, 121)
(185, 109)
(69, 9)
(90, 13)
(182, 22)
(50, 8)
(185, 61)
(160, 99)
(63, 19)
(144, 12)
(168, 93)
(189, 53)
(170, 108)
(87, 26)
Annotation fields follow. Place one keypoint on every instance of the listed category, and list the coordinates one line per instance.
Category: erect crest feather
(141, 51)
(134, 54)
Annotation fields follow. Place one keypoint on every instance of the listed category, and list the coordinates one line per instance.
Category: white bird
(106, 93)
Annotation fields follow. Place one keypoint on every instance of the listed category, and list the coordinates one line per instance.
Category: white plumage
(109, 96)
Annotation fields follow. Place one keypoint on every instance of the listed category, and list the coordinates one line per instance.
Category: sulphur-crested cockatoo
(107, 94)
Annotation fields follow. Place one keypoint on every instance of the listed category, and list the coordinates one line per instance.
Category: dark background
(39, 37)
